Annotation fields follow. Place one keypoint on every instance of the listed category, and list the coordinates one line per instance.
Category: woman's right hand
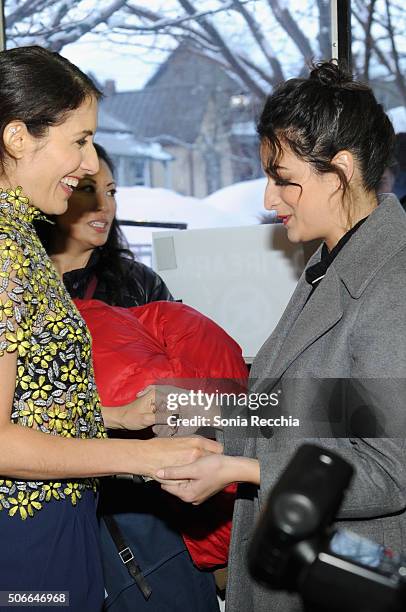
(161, 452)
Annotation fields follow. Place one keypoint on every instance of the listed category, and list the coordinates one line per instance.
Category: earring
(13, 130)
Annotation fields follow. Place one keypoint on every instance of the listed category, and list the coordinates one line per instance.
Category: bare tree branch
(233, 61)
(25, 9)
(72, 32)
(56, 23)
(384, 59)
(259, 71)
(398, 75)
(261, 40)
(62, 11)
(163, 22)
(157, 17)
(285, 19)
(380, 55)
(368, 39)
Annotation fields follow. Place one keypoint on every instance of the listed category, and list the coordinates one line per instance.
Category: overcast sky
(129, 71)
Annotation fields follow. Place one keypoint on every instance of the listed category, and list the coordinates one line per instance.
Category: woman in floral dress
(52, 437)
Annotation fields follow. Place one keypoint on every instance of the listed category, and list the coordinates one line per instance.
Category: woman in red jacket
(89, 251)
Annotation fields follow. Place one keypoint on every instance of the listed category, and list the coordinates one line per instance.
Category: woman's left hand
(136, 415)
(197, 481)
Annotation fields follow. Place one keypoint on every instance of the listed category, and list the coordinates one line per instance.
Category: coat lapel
(268, 353)
(305, 323)
(320, 313)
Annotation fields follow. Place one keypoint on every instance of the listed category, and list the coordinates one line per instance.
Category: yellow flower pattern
(55, 388)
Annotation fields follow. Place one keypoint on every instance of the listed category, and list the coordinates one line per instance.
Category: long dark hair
(111, 266)
(321, 115)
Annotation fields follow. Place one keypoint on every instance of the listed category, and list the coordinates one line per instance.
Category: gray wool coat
(353, 327)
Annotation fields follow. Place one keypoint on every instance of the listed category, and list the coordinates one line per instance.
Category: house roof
(118, 139)
(108, 123)
(167, 113)
(173, 104)
(125, 145)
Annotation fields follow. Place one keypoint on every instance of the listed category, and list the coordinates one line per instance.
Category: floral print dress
(55, 390)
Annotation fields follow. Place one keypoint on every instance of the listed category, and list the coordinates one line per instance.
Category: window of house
(139, 172)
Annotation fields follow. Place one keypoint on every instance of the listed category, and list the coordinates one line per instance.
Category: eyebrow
(87, 132)
(89, 178)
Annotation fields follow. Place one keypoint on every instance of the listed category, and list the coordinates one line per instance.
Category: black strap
(127, 557)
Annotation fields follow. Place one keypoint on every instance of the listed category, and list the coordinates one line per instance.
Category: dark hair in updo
(321, 115)
(39, 87)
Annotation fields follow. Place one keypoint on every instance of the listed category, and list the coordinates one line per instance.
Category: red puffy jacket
(143, 345)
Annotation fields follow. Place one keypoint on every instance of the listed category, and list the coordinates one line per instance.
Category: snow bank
(239, 204)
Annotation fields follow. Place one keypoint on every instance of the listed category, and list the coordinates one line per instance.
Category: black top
(141, 284)
(316, 272)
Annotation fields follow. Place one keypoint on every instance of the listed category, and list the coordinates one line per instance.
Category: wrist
(136, 457)
(114, 417)
(242, 469)
(150, 454)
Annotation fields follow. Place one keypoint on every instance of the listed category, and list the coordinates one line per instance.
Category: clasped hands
(195, 481)
(195, 473)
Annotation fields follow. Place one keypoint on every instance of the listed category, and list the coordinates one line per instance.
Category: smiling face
(91, 210)
(47, 168)
(311, 209)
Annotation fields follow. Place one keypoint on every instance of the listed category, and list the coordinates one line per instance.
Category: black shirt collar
(77, 280)
(315, 273)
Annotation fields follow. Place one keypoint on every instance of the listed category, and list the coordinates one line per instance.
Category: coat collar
(378, 240)
(381, 236)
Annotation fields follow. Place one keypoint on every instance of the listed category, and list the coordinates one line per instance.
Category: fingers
(146, 404)
(179, 472)
(148, 420)
(145, 391)
(210, 446)
(185, 491)
(171, 483)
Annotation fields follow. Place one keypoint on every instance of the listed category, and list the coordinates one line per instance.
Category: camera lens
(295, 515)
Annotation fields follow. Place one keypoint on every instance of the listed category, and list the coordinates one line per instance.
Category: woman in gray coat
(325, 142)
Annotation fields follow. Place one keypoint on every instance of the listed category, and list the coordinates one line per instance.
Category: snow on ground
(244, 200)
(238, 204)
(146, 204)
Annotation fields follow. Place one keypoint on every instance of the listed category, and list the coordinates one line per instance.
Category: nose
(271, 195)
(101, 201)
(90, 161)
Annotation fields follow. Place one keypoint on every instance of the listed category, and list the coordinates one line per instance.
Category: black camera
(295, 547)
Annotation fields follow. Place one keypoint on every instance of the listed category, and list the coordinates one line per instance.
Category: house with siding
(199, 116)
